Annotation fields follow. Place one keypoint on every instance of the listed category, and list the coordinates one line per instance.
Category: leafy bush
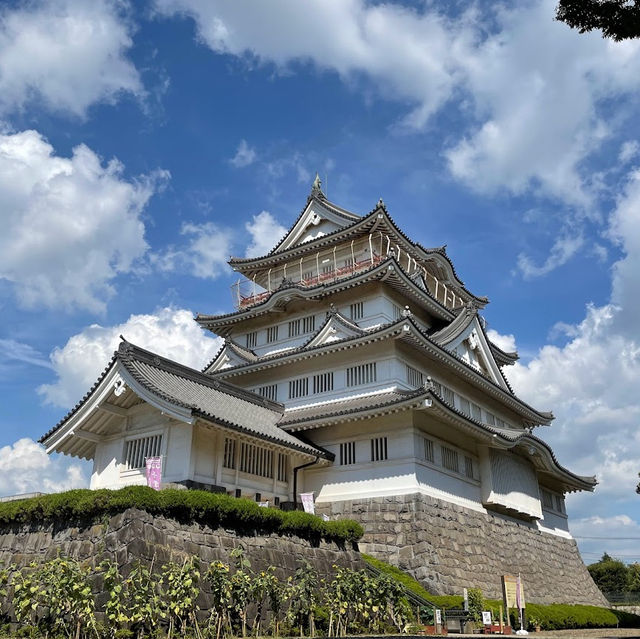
(212, 509)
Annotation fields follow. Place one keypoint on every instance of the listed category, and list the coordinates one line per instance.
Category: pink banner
(307, 503)
(154, 472)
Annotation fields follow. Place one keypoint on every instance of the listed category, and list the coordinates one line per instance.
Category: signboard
(438, 616)
(486, 617)
(154, 472)
(263, 504)
(307, 503)
(513, 591)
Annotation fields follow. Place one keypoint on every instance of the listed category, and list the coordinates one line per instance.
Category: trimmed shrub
(212, 509)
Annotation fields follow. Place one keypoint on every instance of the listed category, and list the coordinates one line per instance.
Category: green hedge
(551, 617)
(212, 509)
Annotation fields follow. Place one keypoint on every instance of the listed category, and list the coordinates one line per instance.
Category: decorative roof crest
(316, 188)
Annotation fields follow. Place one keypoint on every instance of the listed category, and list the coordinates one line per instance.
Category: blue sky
(141, 145)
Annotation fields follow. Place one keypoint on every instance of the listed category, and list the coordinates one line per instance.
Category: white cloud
(245, 155)
(563, 249)
(265, 233)
(67, 54)
(628, 151)
(204, 255)
(12, 350)
(618, 536)
(535, 86)
(25, 467)
(70, 225)
(506, 342)
(169, 332)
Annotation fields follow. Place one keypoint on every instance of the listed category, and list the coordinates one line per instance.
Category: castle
(356, 366)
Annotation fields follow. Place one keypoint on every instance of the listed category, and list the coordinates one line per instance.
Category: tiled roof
(211, 399)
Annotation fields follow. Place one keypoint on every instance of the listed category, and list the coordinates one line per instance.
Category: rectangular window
(309, 324)
(379, 449)
(397, 312)
(437, 387)
(547, 499)
(428, 452)
(559, 504)
(327, 269)
(348, 262)
(447, 395)
(298, 387)
(363, 374)
(414, 377)
(294, 328)
(229, 453)
(322, 383)
(347, 453)
(139, 449)
(251, 339)
(270, 391)
(468, 467)
(476, 413)
(465, 407)
(272, 334)
(450, 459)
(500, 423)
(307, 275)
(256, 460)
(490, 418)
(282, 467)
(356, 311)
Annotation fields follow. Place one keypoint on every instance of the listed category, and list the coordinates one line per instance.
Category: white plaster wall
(106, 464)
(205, 454)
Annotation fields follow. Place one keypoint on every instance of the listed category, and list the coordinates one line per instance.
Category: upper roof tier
(307, 254)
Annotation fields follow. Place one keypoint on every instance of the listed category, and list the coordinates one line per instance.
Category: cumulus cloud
(204, 254)
(169, 332)
(506, 342)
(265, 233)
(70, 225)
(533, 88)
(628, 151)
(25, 467)
(66, 55)
(244, 156)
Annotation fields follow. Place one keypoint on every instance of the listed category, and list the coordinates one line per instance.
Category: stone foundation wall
(448, 548)
(135, 534)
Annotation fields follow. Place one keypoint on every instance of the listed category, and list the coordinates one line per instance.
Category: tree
(617, 19)
(610, 575)
(638, 486)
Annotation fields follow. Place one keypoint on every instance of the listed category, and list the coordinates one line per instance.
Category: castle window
(270, 392)
(490, 418)
(450, 459)
(468, 467)
(547, 499)
(363, 374)
(282, 467)
(256, 460)
(347, 453)
(139, 449)
(309, 324)
(447, 395)
(476, 413)
(272, 334)
(307, 275)
(323, 383)
(327, 269)
(559, 504)
(414, 377)
(379, 449)
(465, 407)
(229, 460)
(397, 312)
(348, 262)
(356, 310)
(294, 328)
(251, 339)
(298, 387)
(427, 449)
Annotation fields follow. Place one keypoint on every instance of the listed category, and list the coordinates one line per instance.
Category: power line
(609, 538)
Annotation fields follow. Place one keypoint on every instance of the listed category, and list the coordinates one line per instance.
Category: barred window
(447, 395)
(282, 467)
(307, 275)
(347, 453)
(363, 374)
(450, 459)
(428, 449)
(270, 391)
(476, 413)
(323, 382)
(414, 377)
(309, 324)
(547, 499)
(251, 339)
(256, 460)
(397, 312)
(437, 387)
(348, 262)
(139, 449)
(490, 418)
(272, 334)
(327, 268)
(356, 311)
(298, 387)
(229, 460)
(468, 467)
(559, 504)
(294, 328)
(379, 449)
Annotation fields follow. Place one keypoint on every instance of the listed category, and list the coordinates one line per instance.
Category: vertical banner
(154, 472)
(307, 503)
